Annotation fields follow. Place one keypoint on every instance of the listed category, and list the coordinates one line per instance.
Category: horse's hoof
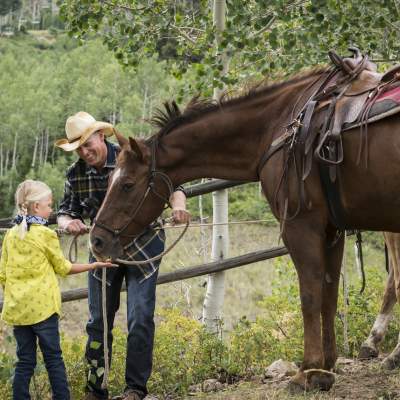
(312, 379)
(390, 363)
(367, 353)
(297, 383)
(319, 379)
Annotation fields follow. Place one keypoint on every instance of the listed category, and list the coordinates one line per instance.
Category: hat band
(75, 140)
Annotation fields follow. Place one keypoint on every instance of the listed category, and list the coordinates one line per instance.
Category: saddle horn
(356, 52)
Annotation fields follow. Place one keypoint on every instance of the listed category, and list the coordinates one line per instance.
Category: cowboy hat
(79, 127)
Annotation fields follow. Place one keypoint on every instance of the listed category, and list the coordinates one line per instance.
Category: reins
(156, 258)
(153, 173)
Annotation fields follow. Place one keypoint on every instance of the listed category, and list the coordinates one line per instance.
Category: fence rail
(189, 272)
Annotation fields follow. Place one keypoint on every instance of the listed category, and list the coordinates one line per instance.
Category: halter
(150, 188)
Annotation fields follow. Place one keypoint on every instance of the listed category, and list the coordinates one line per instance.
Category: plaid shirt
(84, 192)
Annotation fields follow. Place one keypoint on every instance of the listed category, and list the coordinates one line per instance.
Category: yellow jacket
(28, 269)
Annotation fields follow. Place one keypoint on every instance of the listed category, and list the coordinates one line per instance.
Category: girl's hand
(100, 264)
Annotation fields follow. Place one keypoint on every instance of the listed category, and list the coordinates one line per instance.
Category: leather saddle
(347, 98)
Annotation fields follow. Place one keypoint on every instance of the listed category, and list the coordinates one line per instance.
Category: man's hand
(180, 215)
(178, 204)
(76, 227)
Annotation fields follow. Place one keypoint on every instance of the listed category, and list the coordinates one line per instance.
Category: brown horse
(227, 141)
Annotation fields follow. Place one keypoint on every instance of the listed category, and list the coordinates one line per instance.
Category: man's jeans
(49, 343)
(140, 314)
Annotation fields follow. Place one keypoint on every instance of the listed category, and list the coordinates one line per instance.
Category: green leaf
(75, 348)
(95, 345)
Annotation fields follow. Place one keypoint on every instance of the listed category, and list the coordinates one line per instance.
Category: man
(84, 192)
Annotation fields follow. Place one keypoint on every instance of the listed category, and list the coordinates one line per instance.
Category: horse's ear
(122, 140)
(139, 149)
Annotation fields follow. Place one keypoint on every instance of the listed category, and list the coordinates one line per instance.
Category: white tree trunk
(46, 146)
(34, 152)
(214, 299)
(14, 157)
(144, 110)
(6, 162)
(1, 160)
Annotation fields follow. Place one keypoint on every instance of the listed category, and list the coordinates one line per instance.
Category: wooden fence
(189, 272)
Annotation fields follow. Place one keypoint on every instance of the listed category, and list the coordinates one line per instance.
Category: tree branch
(183, 34)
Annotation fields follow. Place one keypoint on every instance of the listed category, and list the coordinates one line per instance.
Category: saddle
(352, 94)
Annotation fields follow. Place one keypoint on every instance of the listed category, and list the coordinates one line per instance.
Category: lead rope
(73, 248)
(162, 254)
(105, 328)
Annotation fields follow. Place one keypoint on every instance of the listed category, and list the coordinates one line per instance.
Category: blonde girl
(30, 260)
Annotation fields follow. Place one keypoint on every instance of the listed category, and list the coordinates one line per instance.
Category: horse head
(135, 197)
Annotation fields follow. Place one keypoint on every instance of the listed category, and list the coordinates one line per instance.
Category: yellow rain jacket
(28, 269)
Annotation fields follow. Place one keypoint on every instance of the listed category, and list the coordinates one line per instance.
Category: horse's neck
(227, 143)
(220, 147)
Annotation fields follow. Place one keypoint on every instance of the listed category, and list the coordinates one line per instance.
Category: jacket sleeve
(3, 261)
(70, 203)
(180, 188)
(55, 255)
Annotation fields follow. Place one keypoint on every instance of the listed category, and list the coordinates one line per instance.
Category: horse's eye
(128, 186)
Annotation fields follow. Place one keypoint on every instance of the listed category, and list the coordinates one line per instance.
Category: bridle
(153, 173)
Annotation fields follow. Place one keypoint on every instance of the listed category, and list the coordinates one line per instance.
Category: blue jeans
(141, 299)
(49, 343)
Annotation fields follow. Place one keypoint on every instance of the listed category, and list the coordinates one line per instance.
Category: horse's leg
(393, 243)
(330, 291)
(306, 244)
(369, 349)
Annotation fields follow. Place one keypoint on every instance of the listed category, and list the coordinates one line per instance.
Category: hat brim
(66, 145)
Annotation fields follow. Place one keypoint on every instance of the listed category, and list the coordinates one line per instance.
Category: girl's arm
(78, 268)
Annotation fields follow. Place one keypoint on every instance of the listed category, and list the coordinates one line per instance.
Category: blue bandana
(31, 219)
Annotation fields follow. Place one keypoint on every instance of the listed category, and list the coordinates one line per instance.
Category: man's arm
(178, 203)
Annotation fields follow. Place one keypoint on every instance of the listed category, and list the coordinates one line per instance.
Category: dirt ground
(355, 380)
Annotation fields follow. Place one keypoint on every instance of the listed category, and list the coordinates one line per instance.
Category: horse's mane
(170, 116)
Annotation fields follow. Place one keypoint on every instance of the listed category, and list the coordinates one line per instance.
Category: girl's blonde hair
(27, 193)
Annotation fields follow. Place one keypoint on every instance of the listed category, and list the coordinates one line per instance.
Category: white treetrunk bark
(46, 147)
(14, 157)
(1, 160)
(144, 110)
(214, 299)
(34, 152)
(6, 161)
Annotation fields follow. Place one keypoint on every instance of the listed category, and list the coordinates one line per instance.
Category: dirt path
(355, 380)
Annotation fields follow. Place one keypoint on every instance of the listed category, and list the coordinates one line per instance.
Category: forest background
(51, 68)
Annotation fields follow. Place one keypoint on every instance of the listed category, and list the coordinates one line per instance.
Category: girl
(31, 257)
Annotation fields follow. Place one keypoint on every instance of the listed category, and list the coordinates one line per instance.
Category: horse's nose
(97, 243)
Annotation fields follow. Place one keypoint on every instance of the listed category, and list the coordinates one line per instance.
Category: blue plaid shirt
(84, 192)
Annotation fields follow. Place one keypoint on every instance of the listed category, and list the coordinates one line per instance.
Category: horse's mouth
(101, 256)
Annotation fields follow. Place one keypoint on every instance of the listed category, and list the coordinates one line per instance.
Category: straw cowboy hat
(79, 127)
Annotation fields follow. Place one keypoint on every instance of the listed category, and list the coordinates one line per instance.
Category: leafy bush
(185, 354)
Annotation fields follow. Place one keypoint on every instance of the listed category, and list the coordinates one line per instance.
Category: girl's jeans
(49, 342)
